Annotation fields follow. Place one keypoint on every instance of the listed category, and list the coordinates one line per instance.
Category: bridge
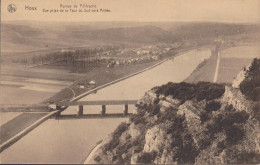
(61, 106)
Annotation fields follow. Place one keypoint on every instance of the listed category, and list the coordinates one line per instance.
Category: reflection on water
(69, 141)
(60, 141)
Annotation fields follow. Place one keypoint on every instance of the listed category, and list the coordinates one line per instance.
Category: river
(71, 140)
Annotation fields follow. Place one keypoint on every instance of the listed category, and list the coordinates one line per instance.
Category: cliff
(179, 123)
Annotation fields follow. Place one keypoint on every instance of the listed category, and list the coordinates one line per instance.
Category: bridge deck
(100, 102)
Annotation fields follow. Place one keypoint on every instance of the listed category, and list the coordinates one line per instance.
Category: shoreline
(89, 158)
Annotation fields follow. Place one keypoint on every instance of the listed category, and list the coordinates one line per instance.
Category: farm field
(31, 85)
(40, 73)
(234, 59)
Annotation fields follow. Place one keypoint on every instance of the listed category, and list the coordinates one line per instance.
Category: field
(32, 85)
(40, 73)
(230, 67)
(232, 61)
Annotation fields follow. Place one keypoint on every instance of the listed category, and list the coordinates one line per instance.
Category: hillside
(203, 123)
(35, 36)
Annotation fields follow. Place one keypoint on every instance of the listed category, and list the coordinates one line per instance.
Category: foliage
(115, 137)
(212, 106)
(227, 122)
(138, 118)
(185, 91)
(169, 115)
(234, 134)
(250, 86)
(147, 157)
(204, 116)
(256, 111)
(246, 158)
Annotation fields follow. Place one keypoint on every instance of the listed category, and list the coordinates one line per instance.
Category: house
(83, 85)
(92, 83)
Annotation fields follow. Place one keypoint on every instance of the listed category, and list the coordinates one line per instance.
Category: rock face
(239, 78)
(154, 139)
(148, 98)
(189, 110)
(235, 98)
(134, 131)
(166, 130)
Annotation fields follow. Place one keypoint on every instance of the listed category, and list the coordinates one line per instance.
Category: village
(127, 56)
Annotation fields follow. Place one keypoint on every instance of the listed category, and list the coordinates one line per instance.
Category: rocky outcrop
(134, 131)
(189, 110)
(166, 130)
(148, 98)
(235, 98)
(154, 139)
(239, 78)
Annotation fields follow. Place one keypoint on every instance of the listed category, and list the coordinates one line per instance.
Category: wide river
(71, 140)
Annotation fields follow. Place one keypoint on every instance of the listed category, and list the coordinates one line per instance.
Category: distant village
(126, 56)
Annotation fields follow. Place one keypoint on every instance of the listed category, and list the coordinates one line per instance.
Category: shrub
(234, 134)
(226, 122)
(169, 114)
(256, 111)
(154, 110)
(138, 118)
(185, 91)
(147, 157)
(250, 86)
(204, 116)
(246, 158)
(229, 108)
(212, 106)
(115, 137)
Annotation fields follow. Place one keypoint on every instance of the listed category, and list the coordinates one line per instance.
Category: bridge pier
(80, 110)
(103, 111)
(59, 112)
(126, 110)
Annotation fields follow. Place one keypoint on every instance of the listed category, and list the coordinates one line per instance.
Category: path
(217, 68)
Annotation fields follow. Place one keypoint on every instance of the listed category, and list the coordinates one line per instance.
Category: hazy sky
(138, 10)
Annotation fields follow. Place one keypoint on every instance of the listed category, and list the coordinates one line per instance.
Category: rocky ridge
(200, 123)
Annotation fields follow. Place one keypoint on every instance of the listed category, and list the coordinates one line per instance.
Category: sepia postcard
(130, 82)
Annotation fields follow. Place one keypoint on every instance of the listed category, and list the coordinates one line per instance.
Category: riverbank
(90, 157)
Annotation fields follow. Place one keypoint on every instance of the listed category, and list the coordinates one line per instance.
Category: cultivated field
(234, 59)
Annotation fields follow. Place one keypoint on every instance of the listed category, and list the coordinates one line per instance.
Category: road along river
(71, 140)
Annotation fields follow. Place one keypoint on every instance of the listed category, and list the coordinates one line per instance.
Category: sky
(235, 11)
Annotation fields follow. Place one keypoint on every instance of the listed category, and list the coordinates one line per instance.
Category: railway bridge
(61, 106)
